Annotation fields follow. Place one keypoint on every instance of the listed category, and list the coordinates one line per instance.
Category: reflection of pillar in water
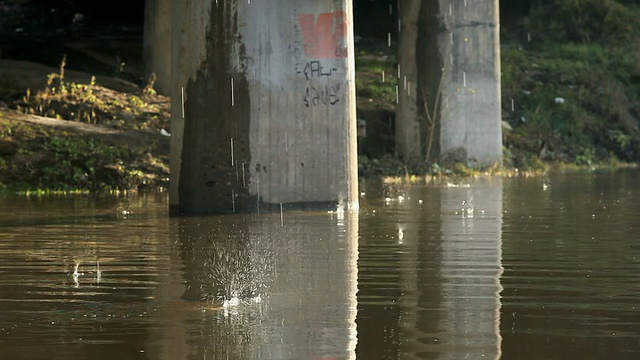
(471, 269)
(420, 273)
(222, 257)
(313, 301)
(352, 282)
(170, 342)
(308, 270)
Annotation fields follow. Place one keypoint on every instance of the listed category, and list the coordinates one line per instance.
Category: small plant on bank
(95, 104)
(149, 88)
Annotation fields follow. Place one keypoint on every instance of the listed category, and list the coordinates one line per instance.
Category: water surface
(537, 268)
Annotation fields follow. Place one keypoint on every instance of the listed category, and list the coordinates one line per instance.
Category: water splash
(467, 208)
(75, 275)
(235, 269)
(98, 273)
(232, 302)
(401, 228)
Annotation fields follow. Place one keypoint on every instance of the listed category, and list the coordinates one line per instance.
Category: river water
(515, 268)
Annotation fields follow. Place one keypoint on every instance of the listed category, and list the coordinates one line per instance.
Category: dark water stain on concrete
(216, 154)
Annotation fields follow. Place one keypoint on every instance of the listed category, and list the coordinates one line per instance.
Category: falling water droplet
(98, 272)
(233, 201)
(258, 193)
(244, 183)
(232, 152)
(232, 95)
(183, 103)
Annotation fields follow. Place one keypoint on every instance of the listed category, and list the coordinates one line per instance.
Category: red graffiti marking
(324, 36)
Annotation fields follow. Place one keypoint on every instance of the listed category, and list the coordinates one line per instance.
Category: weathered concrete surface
(269, 106)
(409, 113)
(469, 47)
(189, 40)
(449, 85)
(470, 290)
(158, 25)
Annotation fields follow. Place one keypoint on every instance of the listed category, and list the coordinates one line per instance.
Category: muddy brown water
(538, 268)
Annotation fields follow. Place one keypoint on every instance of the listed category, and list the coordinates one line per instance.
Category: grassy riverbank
(72, 133)
(571, 84)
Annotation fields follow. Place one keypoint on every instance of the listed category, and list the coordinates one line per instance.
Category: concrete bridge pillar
(449, 82)
(157, 42)
(263, 105)
(469, 46)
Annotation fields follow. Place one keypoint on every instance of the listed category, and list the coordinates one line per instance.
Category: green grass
(377, 90)
(600, 96)
(585, 52)
(369, 83)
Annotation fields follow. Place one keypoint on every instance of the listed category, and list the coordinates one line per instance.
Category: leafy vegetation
(570, 84)
(38, 155)
(95, 104)
(570, 87)
(376, 80)
(35, 157)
